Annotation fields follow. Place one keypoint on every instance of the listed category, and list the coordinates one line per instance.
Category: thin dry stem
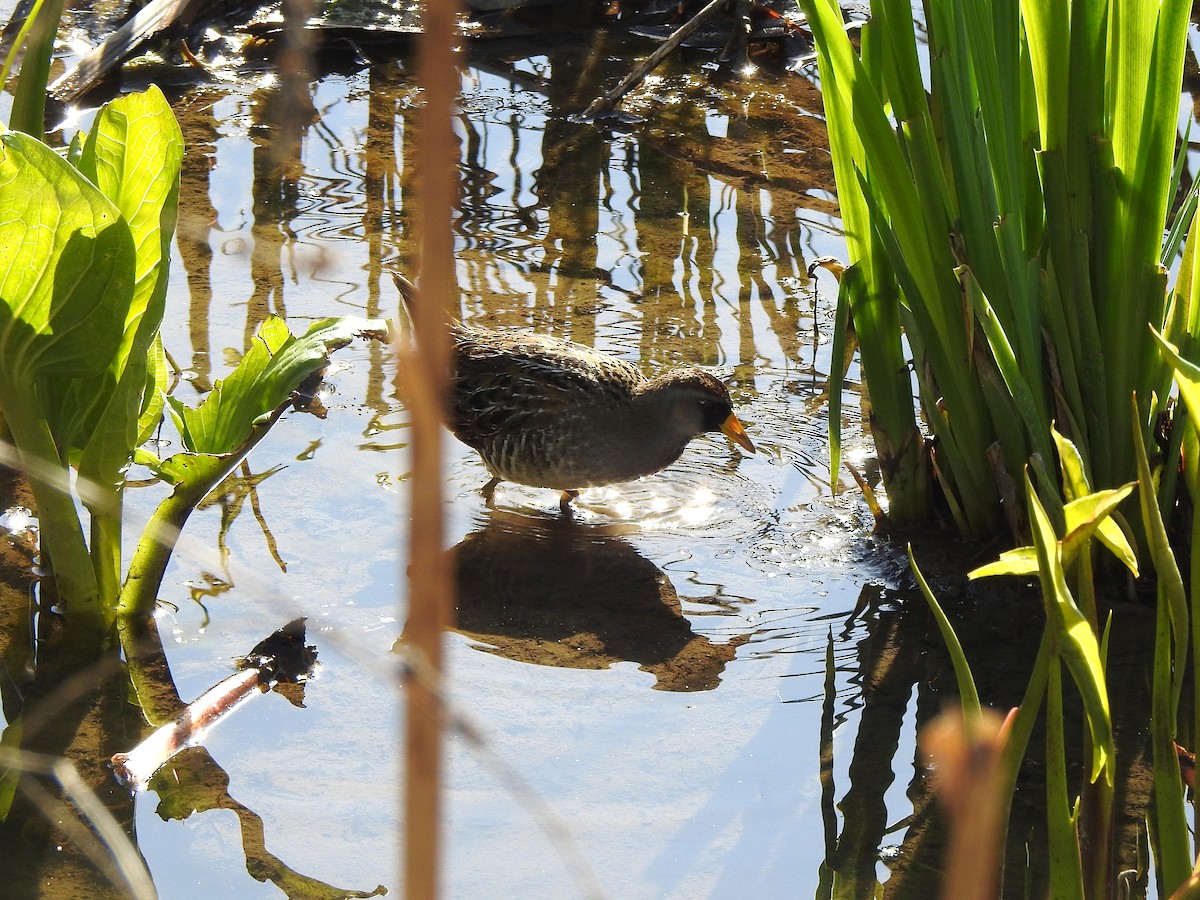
(970, 784)
(423, 373)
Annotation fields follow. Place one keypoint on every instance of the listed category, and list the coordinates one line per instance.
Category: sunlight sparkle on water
(72, 116)
(650, 509)
(667, 511)
(831, 541)
(700, 508)
(855, 455)
(17, 520)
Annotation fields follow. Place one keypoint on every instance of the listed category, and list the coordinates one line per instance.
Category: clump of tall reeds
(1005, 226)
(1009, 230)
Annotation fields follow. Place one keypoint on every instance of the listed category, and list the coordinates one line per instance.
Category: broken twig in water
(151, 20)
(603, 105)
(282, 657)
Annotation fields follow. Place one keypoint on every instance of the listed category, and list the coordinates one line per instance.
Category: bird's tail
(408, 292)
(410, 298)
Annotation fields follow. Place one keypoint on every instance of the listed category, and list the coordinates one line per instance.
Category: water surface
(643, 683)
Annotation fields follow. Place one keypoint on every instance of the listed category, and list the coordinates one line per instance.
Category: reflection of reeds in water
(696, 245)
(64, 711)
(902, 672)
(892, 660)
(557, 593)
(675, 233)
(65, 824)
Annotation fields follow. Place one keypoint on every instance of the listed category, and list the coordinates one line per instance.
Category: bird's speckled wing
(510, 384)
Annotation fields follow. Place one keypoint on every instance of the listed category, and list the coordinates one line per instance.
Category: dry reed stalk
(423, 372)
(968, 776)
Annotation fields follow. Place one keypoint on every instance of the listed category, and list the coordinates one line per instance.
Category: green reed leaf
(1066, 867)
(1170, 654)
(968, 694)
(1076, 642)
(1019, 561)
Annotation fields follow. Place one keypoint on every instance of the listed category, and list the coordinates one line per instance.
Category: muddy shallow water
(642, 685)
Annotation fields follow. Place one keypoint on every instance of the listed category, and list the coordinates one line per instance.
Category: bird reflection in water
(555, 592)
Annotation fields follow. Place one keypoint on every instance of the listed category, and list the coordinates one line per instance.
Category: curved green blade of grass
(968, 694)
(1169, 822)
(844, 345)
(36, 39)
(1066, 867)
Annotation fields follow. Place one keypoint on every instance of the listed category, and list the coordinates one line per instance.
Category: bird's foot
(489, 491)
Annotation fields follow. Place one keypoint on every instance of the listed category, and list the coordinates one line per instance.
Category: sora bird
(551, 413)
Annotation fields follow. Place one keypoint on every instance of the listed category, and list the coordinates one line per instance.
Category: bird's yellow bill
(733, 430)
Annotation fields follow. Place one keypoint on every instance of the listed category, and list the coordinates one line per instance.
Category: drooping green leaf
(1019, 561)
(1076, 642)
(1086, 517)
(1089, 516)
(1087, 511)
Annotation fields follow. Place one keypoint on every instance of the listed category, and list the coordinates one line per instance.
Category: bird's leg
(489, 489)
(564, 502)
